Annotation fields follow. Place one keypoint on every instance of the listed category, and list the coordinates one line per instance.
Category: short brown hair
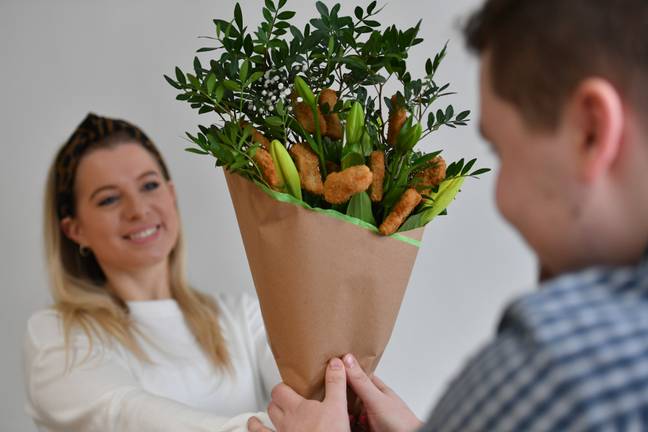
(542, 49)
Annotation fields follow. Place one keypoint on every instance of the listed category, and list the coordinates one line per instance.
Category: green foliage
(253, 78)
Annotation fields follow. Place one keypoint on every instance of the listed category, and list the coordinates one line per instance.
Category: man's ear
(72, 230)
(598, 116)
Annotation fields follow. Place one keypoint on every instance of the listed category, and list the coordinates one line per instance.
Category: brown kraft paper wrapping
(326, 287)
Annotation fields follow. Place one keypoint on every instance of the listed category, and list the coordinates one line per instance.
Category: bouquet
(330, 189)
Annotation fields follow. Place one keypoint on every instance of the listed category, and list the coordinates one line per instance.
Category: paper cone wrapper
(326, 286)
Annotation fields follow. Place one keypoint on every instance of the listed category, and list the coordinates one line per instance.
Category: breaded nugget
(341, 186)
(433, 175)
(333, 127)
(328, 97)
(377, 165)
(407, 202)
(397, 119)
(308, 167)
(265, 163)
(304, 115)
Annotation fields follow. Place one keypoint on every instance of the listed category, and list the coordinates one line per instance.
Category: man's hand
(385, 410)
(290, 412)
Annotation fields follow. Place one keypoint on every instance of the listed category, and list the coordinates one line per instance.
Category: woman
(128, 345)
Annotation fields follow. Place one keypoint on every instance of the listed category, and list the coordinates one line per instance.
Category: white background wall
(59, 60)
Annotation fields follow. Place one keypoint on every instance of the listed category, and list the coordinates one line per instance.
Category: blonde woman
(128, 345)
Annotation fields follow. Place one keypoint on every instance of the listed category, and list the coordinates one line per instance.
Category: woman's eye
(107, 201)
(151, 186)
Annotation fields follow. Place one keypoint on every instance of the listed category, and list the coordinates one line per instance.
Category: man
(564, 102)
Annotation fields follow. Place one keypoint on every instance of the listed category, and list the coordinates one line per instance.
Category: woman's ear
(173, 191)
(598, 116)
(72, 230)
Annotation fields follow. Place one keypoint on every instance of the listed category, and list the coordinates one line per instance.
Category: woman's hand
(290, 412)
(386, 412)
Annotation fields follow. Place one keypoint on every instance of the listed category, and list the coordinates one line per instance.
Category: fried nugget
(308, 167)
(264, 160)
(334, 128)
(397, 119)
(405, 205)
(328, 97)
(377, 165)
(341, 186)
(432, 176)
(304, 115)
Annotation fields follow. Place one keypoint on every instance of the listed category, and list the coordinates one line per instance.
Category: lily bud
(285, 168)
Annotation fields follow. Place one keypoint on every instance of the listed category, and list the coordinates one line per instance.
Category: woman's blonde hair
(79, 285)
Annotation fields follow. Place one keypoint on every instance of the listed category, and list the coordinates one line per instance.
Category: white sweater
(105, 388)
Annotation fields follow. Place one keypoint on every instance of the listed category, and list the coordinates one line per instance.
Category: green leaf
(274, 121)
(197, 151)
(255, 77)
(267, 15)
(462, 116)
(358, 12)
(322, 9)
(360, 207)
(286, 15)
(468, 166)
(180, 76)
(173, 83)
(232, 85)
(244, 70)
(480, 171)
(449, 112)
(439, 201)
(211, 83)
(220, 92)
(238, 16)
(270, 5)
(352, 159)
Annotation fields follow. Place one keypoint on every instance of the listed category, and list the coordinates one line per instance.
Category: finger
(360, 382)
(255, 425)
(285, 397)
(335, 389)
(276, 414)
(380, 384)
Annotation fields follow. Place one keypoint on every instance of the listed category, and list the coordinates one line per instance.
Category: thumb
(361, 384)
(335, 383)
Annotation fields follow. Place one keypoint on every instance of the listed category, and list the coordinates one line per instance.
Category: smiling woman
(129, 345)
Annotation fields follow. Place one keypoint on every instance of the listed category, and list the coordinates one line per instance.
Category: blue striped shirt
(572, 356)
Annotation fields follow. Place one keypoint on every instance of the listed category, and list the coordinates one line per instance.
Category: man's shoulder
(579, 304)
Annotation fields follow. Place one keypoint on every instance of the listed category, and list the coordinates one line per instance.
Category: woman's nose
(135, 208)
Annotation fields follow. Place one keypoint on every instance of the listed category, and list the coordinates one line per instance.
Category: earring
(84, 251)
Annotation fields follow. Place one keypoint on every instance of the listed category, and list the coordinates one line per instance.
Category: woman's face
(125, 210)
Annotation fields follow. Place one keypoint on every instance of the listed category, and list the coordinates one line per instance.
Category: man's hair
(542, 49)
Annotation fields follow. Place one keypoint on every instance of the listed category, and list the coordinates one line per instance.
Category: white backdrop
(59, 60)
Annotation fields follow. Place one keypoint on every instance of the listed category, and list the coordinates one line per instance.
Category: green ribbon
(287, 198)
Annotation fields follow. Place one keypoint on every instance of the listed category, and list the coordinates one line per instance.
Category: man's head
(564, 92)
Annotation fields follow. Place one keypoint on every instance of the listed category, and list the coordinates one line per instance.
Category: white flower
(299, 99)
(281, 86)
(273, 98)
(264, 92)
(266, 75)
